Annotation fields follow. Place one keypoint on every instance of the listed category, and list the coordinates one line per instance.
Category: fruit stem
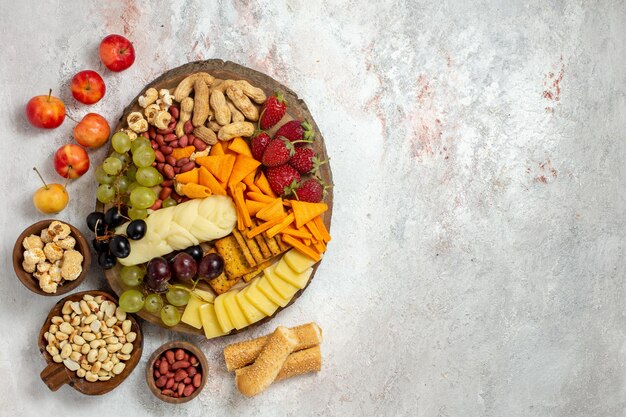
(70, 117)
(42, 180)
(49, 94)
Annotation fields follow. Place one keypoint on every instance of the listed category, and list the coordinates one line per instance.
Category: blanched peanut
(118, 368)
(131, 336)
(126, 326)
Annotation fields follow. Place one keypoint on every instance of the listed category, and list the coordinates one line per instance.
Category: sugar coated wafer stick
(241, 354)
(298, 363)
(260, 375)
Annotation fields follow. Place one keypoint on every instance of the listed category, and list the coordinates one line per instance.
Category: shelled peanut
(93, 338)
(177, 373)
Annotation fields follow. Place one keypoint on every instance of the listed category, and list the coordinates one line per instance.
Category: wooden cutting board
(296, 109)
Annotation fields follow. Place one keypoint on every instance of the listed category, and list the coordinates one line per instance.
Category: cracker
(222, 283)
(282, 245)
(235, 262)
(244, 248)
(257, 270)
(254, 249)
(265, 250)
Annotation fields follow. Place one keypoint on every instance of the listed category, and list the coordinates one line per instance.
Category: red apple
(88, 87)
(45, 112)
(116, 52)
(71, 161)
(92, 131)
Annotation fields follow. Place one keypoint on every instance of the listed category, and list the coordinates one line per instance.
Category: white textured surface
(478, 152)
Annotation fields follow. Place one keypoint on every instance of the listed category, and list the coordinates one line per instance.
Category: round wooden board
(296, 109)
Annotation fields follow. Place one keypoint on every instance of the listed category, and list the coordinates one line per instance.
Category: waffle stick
(257, 377)
(244, 353)
(298, 363)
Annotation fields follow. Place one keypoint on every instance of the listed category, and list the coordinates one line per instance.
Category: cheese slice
(266, 288)
(211, 325)
(298, 261)
(234, 312)
(207, 296)
(249, 310)
(259, 299)
(222, 316)
(285, 289)
(191, 316)
(289, 275)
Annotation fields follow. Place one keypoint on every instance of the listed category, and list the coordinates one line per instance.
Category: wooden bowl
(27, 278)
(297, 109)
(179, 344)
(56, 374)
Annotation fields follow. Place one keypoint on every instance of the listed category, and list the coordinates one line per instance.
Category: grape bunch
(108, 245)
(188, 267)
(128, 175)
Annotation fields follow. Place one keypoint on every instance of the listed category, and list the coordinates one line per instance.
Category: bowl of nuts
(51, 257)
(89, 343)
(176, 372)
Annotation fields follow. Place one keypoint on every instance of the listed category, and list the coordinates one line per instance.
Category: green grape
(122, 184)
(120, 142)
(148, 176)
(132, 186)
(123, 157)
(131, 171)
(170, 315)
(112, 166)
(178, 296)
(135, 213)
(105, 193)
(140, 141)
(132, 276)
(131, 301)
(169, 202)
(153, 304)
(143, 156)
(142, 197)
(102, 177)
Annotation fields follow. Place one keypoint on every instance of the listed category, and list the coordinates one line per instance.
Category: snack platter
(296, 109)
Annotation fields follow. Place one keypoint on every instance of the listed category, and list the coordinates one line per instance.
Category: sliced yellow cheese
(259, 299)
(249, 310)
(212, 327)
(285, 289)
(298, 261)
(266, 288)
(222, 316)
(234, 312)
(207, 296)
(191, 316)
(289, 275)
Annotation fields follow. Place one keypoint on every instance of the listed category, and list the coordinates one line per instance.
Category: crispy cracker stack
(245, 258)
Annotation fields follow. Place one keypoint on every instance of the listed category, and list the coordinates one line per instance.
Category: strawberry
(296, 130)
(283, 179)
(278, 152)
(258, 145)
(273, 110)
(310, 190)
(305, 160)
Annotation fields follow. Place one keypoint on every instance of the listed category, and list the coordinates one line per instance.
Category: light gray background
(478, 151)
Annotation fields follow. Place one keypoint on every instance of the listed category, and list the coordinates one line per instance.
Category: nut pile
(51, 256)
(177, 373)
(93, 338)
(218, 110)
